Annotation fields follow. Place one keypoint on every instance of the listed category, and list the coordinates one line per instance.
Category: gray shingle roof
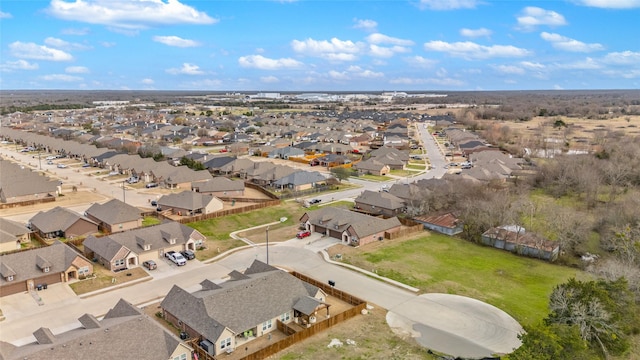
(59, 257)
(57, 219)
(125, 332)
(20, 181)
(114, 212)
(211, 311)
(380, 199)
(153, 235)
(189, 200)
(341, 219)
(218, 184)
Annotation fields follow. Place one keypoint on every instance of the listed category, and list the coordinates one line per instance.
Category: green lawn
(438, 263)
(375, 177)
(150, 220)
(416, 166)
(220, 228)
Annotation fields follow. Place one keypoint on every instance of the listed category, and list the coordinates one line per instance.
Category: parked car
(177, 258)
(49, 162)
(188, 254)
(154, 203)
(62, 166)
(314, 201)
(114, 173)
(132, 180)
(85, 165)
(151, 185)
(150, 265)
(303, 234)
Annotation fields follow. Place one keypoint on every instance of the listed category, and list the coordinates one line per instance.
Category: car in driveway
(151, 185)
(176, 258)
(303, 234)
(188, 254)
(62, 166)
(150, 265)
(314, 201)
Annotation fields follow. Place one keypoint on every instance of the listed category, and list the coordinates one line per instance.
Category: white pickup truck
(176, 258)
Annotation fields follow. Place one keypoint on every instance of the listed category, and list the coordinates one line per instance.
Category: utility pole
(267, 245)
(124, 200)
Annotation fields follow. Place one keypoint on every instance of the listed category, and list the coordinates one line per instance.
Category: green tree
(341, 173)
(551, 342)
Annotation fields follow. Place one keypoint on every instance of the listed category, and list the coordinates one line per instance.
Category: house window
(181, 357)
(266, 325)
(46, 269)
(285, 317)
(119, 262)
(10, 278)
(83, 270)
(225, 343)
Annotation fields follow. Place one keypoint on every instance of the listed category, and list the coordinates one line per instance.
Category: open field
(438, 263)
(105, 278)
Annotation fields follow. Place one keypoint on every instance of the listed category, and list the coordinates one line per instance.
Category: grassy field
(150, 220)
(438, 263)
(217, 230)
(375, 177)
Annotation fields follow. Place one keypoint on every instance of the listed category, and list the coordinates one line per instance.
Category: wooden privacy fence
(227, 212)
(27, 202)
(296, 337)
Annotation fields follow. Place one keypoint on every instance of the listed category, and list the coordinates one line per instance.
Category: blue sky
(319, 45)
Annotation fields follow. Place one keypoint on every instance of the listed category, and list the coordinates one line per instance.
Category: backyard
(442, 264)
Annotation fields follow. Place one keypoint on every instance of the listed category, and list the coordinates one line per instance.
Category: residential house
(371, 167)
(18, 184)
(330, 160)
(379, 203)
(26, 270)
(114, 216)
(350, 227)
(13, 235)
(189, 203)
(286, 153)
(60, 222)
(131, 248)
(230, 315)
(516, 240)
(300, 180)
(124, 332)
(447, 223)
(220, 186)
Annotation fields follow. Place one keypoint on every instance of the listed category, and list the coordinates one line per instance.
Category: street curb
(326, 257)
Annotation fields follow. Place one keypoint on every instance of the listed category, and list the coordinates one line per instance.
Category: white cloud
(475, 33)
(567, 44)
(378, 38)
(339, 75)
(77, 32)
(471, 50)
(509, 69)
(586, 64)
(65, 45)
(108, 44)
(386, 52)
(5, 15)
(447, 4)
(264, 63)
(128, 14)
(176, 41)
(186, 69)
(354, 72)
(61, 77)
(532, 65)
(39, 52)
(76, 70)
(611, 4)
(147, 81)
(421, 62)
(431, 81)
(532, 16)
(269, 79)
(333, 50)
(18, 65)
(622, 58)
(365, 24)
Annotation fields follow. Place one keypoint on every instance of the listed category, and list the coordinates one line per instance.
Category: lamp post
(124, 200)
(267, 245)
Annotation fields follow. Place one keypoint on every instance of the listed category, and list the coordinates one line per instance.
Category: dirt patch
(372, 339)
(69, 199)
(105, 278)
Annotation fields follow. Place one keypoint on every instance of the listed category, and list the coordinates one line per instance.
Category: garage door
(15, 288)
(335, 234)
(47, 279)
(320, 229)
